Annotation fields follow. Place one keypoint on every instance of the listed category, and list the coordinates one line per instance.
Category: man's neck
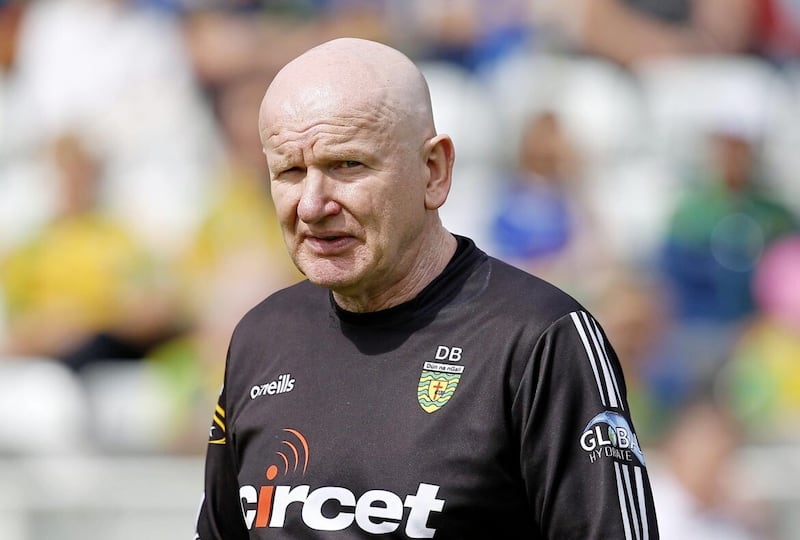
(431, 260)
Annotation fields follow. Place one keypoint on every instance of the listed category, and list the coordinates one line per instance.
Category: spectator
(634, 31)
(631, 306)
(698, 485)
(120, 75)
(236, 254)
(238, 219)
(82, 288)
(469, 33)
(719, 230)
(542, 223)
(778, 30)
(230, 40)
(10, 16)
(762, 380)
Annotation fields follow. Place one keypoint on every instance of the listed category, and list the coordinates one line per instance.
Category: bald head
(357, 172)
(350, 74)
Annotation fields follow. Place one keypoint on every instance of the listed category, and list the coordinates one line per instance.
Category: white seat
(689, 97)
(44, 407)
(130, 406)
(463, 109)
(599, 102)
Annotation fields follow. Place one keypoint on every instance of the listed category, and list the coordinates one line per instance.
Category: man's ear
(440, 157)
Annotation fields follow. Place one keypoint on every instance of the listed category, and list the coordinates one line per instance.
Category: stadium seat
(45, 409)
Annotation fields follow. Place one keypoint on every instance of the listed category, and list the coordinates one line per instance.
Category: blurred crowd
(641, 154)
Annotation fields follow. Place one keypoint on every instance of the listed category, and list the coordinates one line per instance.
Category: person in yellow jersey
(83, 281)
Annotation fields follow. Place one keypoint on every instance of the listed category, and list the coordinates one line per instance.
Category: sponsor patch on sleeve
(610, 435)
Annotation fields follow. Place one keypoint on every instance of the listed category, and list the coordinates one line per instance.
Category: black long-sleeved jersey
(490, 406)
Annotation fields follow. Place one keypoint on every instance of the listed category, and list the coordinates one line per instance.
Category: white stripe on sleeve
(589, 353)
(642, 507)
(600, 356)
(607, 362)
(629, 492)
(622, 504)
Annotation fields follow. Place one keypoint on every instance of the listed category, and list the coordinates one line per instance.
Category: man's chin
(330, 277)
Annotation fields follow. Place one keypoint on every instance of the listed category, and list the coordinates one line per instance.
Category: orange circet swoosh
(304, 442)
(285, 462)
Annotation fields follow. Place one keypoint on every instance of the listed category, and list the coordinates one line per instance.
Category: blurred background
(643, 155)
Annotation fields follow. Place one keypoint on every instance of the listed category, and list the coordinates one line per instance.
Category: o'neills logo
(284, 383)
(375, 511)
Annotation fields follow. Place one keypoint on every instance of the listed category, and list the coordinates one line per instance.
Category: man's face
(348, 183)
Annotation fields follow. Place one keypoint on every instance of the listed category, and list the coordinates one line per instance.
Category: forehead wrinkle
(338, 126)
(320, 143)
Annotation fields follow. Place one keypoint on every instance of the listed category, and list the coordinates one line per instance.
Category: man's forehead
(317, 99)
(344, 136)
(309, 111)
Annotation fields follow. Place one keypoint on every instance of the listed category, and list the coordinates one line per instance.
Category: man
(412, 387)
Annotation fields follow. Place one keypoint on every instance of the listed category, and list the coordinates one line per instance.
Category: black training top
(490, 406)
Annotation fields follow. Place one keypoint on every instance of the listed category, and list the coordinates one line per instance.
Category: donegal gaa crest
(437, 384)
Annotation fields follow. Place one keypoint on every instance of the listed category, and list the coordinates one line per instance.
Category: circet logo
(375, 511)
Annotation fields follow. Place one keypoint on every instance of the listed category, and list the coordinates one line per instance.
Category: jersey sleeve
(220, 515)
(584, 472)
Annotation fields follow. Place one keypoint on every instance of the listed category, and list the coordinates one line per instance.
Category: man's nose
(317, 198)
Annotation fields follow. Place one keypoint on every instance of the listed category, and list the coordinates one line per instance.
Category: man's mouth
(328, 244)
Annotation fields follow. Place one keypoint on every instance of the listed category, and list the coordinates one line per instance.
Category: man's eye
(349, 164)
(290, 170)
